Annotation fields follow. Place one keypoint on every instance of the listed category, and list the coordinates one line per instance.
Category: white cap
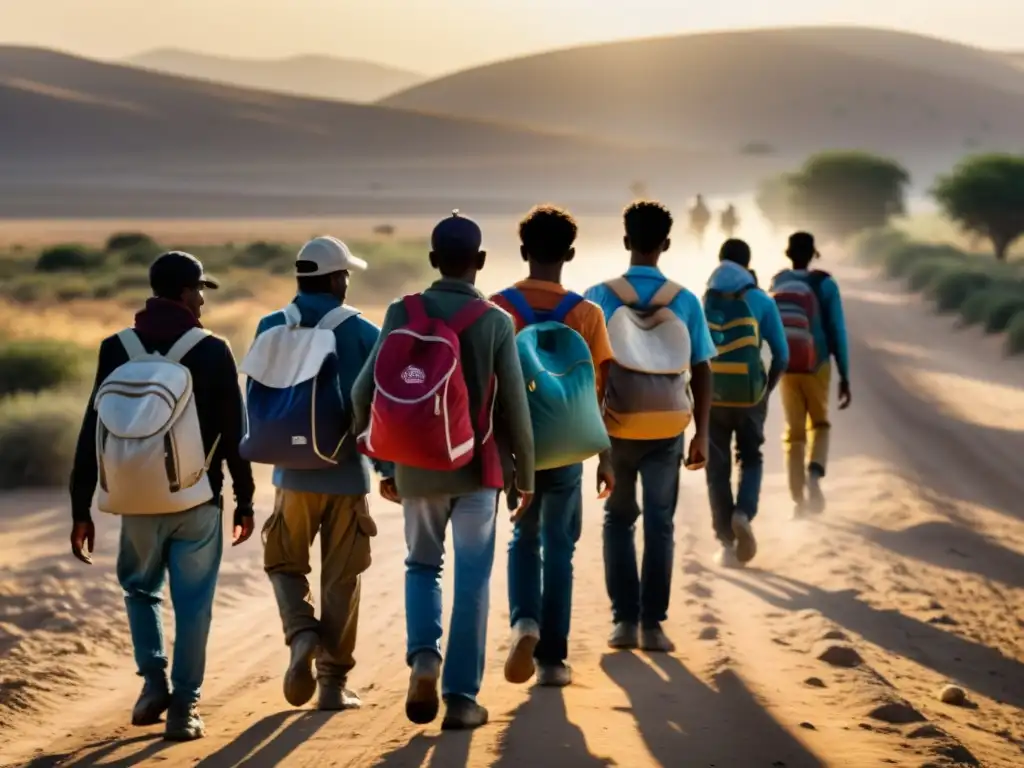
(330, 255)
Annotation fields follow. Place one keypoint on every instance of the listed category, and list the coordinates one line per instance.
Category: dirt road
(917, 566)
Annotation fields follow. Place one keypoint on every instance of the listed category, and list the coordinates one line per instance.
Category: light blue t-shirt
(646, 281)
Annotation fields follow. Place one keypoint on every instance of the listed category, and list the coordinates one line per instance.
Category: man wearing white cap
(329, 501)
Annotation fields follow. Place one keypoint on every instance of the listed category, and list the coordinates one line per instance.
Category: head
(648, 226)
(456, 248)
(801, 249)
(736, 251)
(324, 265)
(547, 235)
(179, 277)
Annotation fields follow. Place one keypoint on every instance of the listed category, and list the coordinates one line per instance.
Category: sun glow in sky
(435, 36)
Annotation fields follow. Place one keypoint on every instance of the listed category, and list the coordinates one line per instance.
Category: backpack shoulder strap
(336, 317)
(292, 316)
(624, 290)
(186, 343)
(415, 308)
(665, 295)
(519, 303)
(131, 343)
(469, 314)
(568, 303)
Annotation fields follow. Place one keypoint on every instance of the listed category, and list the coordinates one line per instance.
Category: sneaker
(152, 703)
(625, 636)
(654, 640)
(815, 498)
(799, 510)
(462, 714)
(519, 667)
(332, 697)
(299, 683)
(554, 675)
(746, 544)
(184, 722)
(726, 557)
(422, 703)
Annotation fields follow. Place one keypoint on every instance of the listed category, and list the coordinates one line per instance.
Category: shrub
(1015, 335)
(876, 246)
(975, 308)
(127, 241)
(33, 366)
(37, 439)
(260, 254)
(925, 271)
(69, 258)
(903, 259)
(1002, 309)
(952, 288)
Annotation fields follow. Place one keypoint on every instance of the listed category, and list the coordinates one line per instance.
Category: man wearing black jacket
(186, 546)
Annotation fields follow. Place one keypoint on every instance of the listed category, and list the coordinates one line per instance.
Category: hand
(605, 479)
(389, 490)
(83, 539)
(697, 457)
(844, 395)
(525, 500)
(245, 524)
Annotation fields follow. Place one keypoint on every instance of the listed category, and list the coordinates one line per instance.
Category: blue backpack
(296, 412)
(561, 386)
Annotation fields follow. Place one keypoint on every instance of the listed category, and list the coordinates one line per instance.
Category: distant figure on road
(700, 217)
(164, 416)
(741, 318)
(301, 368)
(443, 357)
(661, 347)
(812, 314)
(730, 221)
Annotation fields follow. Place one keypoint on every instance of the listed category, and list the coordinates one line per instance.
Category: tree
(984, 194)
(843, 193)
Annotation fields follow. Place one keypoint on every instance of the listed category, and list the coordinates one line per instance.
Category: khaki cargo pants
(345, 529)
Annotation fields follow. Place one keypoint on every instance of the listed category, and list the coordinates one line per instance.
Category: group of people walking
(456, 399)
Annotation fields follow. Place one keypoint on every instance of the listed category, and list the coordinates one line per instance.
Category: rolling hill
(322, 77)
(788, 91)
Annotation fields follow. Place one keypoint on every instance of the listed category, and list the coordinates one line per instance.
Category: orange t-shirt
(586, 318)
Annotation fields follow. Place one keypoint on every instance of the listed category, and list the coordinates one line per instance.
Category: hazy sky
(433, 36)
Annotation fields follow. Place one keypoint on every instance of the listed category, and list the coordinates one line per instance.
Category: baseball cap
(330, 255)
(174, 271)
(802, 242)
(456, 233)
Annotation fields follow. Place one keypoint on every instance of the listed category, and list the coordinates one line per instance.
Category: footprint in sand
(700, 591)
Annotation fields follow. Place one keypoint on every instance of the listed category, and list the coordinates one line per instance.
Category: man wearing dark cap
(805, 394)
(466, 497)
(183, 545)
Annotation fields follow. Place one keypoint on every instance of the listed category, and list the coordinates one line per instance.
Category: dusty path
(917, 565)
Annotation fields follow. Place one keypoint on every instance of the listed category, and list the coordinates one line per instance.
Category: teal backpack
(560, 384)
(739, 377)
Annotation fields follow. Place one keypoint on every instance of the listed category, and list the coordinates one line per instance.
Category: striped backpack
(796, 295)
(739, 377)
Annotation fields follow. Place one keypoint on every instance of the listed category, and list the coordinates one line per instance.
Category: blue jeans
(747, 424)
(541, 589)
(473, 529)
(185, 548)
(644, 598)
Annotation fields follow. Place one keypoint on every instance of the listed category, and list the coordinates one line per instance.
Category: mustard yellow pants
(805, 402)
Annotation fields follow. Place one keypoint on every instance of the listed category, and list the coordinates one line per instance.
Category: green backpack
(739, 377)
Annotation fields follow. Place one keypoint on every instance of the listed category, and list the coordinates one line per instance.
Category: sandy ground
(917, 567)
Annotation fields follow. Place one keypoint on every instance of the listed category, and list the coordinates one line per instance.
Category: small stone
(808, 726)
(934, 605)
(839, 655)
(835, 634)
(945, 620)
(708, 633)
(954, 695)
(928, 731)
(896, 712)
(815, 682)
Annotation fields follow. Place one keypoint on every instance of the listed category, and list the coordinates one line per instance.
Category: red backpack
(420, 415)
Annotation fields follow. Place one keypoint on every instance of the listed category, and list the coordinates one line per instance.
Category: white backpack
(647, 394)
(149, 447)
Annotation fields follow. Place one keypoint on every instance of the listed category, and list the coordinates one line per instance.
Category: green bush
(875, 246)
(37, 439)
(1015, 335)
(129, 241)
(69, 258)
(926, 271)
(34, 366)
(953, 286)
(260, 254)
(1002, 309)
(974, 310)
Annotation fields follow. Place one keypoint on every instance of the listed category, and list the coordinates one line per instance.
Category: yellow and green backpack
(739, 376)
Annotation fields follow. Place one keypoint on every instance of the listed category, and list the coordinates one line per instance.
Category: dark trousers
(747, 425)
(641, 598)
